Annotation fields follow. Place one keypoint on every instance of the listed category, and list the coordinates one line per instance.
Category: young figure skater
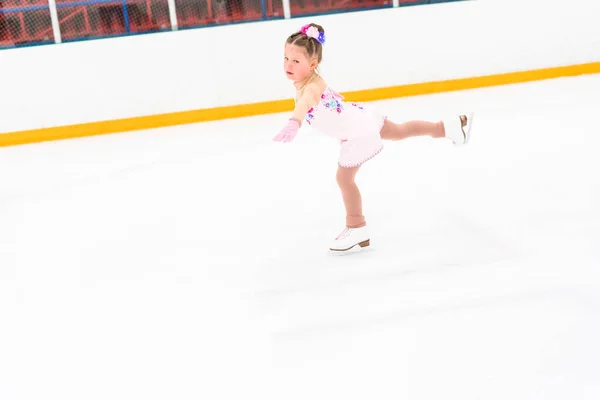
(361, 131)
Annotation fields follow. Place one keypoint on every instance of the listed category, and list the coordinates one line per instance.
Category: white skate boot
(458, 129)
(351, 237)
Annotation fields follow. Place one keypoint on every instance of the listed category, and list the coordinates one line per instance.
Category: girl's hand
(289, 131)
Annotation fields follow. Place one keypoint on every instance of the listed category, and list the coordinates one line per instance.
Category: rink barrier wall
(270, 107)
(152, 81)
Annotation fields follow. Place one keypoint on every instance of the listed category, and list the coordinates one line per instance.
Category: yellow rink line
(245, 110)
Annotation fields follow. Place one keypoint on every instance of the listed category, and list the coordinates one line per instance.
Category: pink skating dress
(357, 127)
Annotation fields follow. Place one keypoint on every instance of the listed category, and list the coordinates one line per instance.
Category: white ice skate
(459, 129)
(351, 237)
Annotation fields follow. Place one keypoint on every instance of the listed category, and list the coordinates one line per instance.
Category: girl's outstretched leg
(356, 231)
(405, 130)
(457, 129)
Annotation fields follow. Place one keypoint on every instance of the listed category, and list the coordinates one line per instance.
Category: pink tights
(390, 131)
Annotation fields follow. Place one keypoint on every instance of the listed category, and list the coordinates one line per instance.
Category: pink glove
(289, 132)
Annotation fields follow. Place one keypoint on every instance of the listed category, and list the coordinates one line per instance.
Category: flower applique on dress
(310, 115)
(332, 101)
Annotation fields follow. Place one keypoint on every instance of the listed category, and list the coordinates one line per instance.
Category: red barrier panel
(28, 21)
(302, 7)
(30, 24)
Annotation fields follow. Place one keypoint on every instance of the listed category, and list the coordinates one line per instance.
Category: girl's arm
(309, 98)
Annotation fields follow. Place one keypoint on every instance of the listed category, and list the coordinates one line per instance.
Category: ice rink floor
(192, 262)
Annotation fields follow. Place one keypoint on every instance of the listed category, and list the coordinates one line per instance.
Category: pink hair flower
(313, 32)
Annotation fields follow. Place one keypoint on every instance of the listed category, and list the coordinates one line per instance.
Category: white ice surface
(192, 262)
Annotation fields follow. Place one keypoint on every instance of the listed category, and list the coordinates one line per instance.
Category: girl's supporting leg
(356, 231)
(352, 199)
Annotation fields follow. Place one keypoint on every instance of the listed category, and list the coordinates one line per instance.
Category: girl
(359, 130)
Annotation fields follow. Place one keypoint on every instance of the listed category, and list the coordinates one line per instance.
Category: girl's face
(296, 64)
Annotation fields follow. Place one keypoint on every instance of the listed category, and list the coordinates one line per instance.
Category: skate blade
(469, 127)
(366, 243)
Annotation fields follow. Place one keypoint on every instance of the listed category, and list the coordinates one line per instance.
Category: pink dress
(357, 127)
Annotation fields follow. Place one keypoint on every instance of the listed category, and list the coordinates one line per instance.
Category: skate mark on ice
(314, 282)
(518, 299)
